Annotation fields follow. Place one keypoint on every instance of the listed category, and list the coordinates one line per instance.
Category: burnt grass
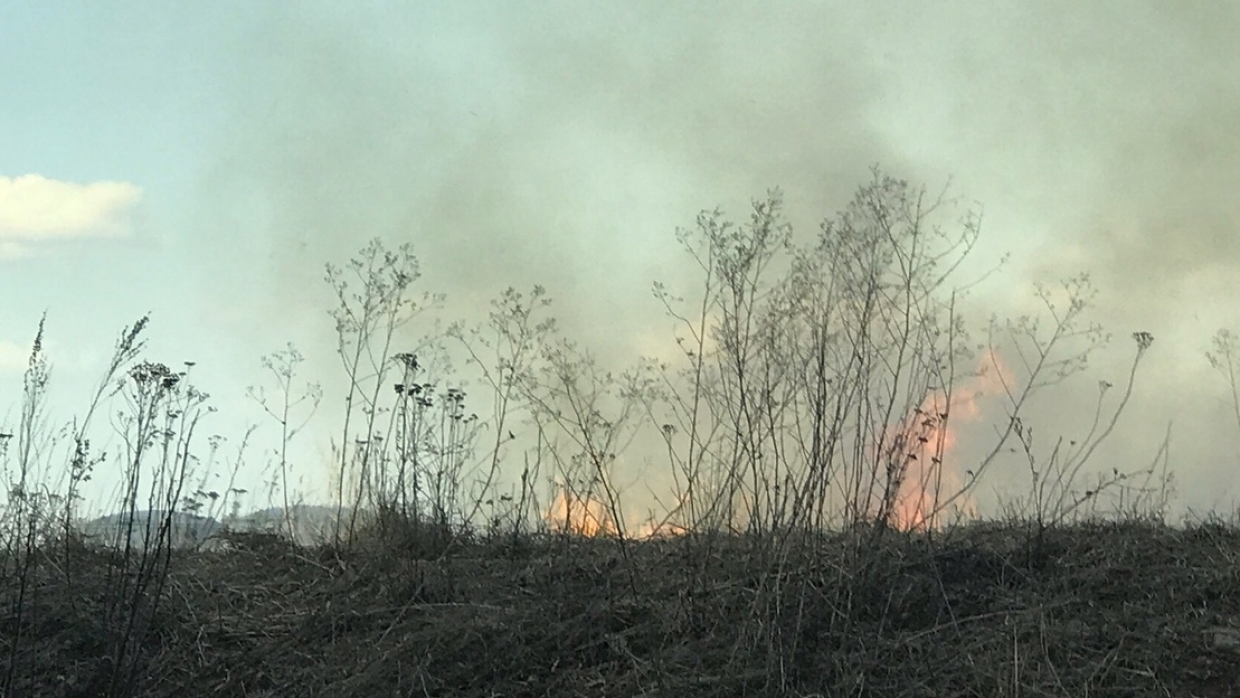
(1092, 609)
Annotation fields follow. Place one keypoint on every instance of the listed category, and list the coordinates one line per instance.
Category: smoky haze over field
(562, 143)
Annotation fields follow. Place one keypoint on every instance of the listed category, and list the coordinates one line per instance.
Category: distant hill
(311, 524)
(188, 530)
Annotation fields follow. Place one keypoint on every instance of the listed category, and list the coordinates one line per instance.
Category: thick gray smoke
(561, 143)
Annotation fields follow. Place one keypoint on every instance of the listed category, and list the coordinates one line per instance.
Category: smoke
(561, 143)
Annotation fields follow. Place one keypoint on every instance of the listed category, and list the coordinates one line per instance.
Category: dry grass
(1104, 609)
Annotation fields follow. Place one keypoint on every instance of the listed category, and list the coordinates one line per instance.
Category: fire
(587, 516)
(930, 437)
(580, 515)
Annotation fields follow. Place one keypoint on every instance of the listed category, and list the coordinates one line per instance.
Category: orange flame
(933, 430)
(580, 515)
(583, 515)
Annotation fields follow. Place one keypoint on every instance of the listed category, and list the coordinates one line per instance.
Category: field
(819, 521)
(1092, 609)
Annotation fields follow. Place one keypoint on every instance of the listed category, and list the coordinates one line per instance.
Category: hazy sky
(202, 162)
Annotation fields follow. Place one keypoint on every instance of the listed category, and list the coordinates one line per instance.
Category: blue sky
(562, 143)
